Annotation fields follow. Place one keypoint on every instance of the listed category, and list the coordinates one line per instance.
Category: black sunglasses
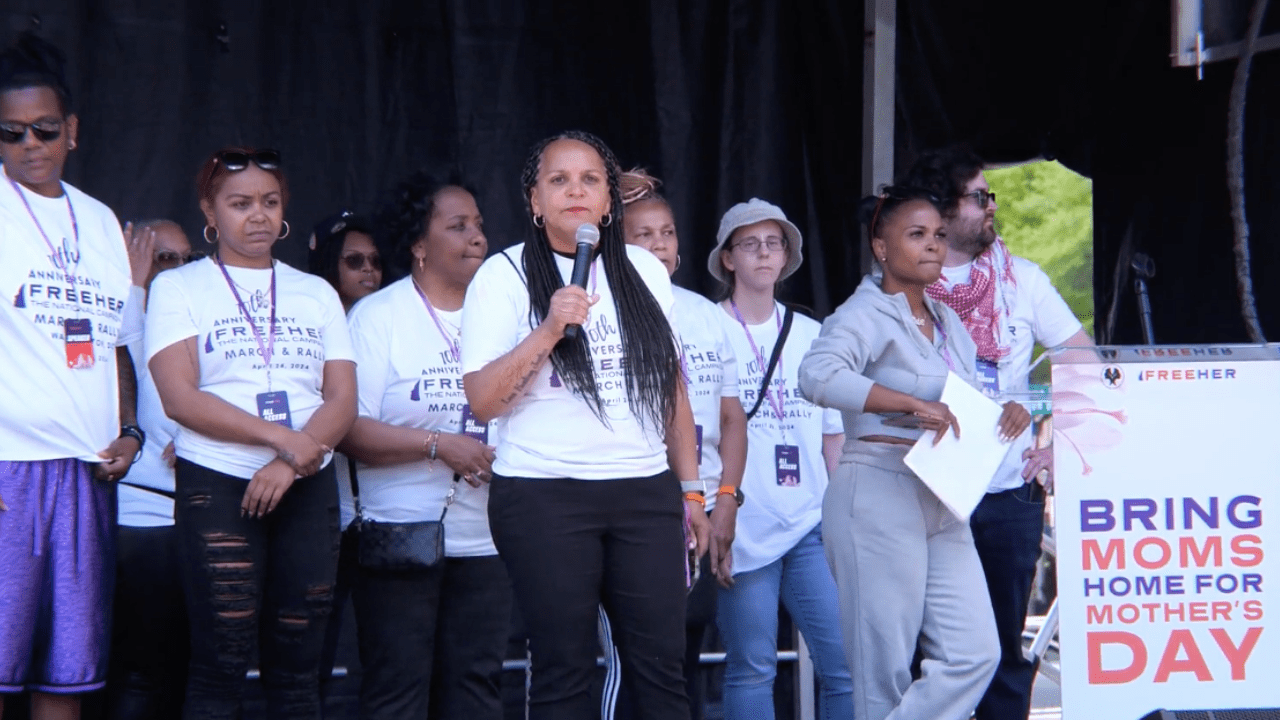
(11, 133)
(167, 259)
(355, 261)
(237, 161)
(984, 198)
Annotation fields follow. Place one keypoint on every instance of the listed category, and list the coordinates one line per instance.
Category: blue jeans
(748, 620)
(1007, 528)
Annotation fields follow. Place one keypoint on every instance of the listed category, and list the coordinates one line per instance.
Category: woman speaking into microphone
(594, 435)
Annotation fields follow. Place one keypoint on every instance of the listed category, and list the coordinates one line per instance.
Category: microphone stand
(1145, 269)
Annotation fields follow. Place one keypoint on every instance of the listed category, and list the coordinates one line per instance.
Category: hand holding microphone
(587, 237)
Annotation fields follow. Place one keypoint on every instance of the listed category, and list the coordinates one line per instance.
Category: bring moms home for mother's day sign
(1167, 466)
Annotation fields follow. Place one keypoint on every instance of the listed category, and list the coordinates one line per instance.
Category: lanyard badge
(79, 336)
(274, 408)
(472, 427)
(786, 458)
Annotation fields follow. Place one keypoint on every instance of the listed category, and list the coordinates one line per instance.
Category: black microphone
(587, 236)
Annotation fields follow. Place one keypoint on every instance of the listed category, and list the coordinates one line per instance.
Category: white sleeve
(492, 313)
(135, 309)
(172, 317)
(337, 337)
(371, 343)
(1054, 321)
(832, 422)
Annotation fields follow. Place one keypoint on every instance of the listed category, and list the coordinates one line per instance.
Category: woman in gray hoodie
(905, 566)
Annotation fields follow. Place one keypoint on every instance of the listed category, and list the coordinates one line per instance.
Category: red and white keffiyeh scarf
(975, 300)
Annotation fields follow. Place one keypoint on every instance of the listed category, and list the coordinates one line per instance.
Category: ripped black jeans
(255, 584)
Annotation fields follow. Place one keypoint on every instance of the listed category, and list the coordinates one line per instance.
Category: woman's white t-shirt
(146, 494)
(52, 411)
(311, 329)
(408, 376)
(549, 432)
(711, 369)
(783, 486)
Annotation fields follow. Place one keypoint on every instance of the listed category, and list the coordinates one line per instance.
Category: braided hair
(652, 366)
(328, 239)
(32, 62)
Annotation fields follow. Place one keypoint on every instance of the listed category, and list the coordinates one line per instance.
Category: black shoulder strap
(355, 484)
(773, 360)
(504, 254)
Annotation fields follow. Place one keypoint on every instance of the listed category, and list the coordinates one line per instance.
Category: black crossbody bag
(398, 546)
(773, 360)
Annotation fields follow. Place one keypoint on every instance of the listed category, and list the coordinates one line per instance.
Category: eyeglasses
(752, 245)
(984, 198)
(237, 161)
(356, 261)
(13, 133)
(168, 259)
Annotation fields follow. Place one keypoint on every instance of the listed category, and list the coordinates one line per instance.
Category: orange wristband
(696, 497)
(727, 490)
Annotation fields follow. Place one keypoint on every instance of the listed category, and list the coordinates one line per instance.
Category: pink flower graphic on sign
(1080, 418)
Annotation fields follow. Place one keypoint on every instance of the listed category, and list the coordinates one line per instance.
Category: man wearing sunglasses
(1007, 304)
(66, 398)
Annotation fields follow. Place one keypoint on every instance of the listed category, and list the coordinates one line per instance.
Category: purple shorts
(57, 563)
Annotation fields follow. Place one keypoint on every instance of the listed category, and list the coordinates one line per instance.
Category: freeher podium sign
(1167, 470)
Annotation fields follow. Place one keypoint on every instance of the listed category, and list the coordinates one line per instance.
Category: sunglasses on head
(899, 193)
(355, 261)
(237, 161)
(11, 133)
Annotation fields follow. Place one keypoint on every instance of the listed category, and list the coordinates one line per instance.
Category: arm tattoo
(518, 390)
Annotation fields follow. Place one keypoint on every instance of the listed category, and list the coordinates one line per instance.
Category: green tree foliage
(1046, 215)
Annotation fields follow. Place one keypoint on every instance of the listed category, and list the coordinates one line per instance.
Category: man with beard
(1007, 304)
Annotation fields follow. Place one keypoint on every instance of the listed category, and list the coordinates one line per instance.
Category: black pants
(149, 650)
(1006, 530)
(341, 593)
(700, 612)
(264, 583)
(572, 545)
(432, 641)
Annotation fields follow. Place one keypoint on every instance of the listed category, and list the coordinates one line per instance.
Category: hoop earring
(286, 229)
(677, 262)
(539, 221)
(213, 241)
(607, 220)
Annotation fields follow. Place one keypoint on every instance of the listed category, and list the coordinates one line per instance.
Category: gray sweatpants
(907, 572)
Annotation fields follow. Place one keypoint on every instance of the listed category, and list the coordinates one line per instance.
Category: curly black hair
(407, 215)
(944, 172)
(32, 62)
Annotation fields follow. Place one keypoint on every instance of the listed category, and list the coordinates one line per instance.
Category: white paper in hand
(959, 471)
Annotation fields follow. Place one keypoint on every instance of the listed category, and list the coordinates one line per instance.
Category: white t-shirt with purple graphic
(62, 260)
(310, 329)
(711, 369)
(409, 376)
(550, 433)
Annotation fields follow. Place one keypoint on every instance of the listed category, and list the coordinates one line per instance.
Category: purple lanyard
(53, 252)
(774, 399)
(267, 349)
(946, 352)
(454, 343)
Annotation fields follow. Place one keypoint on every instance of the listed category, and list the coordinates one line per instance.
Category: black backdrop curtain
(723, 100)
(1090, 84)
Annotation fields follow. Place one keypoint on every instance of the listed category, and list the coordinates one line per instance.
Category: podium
(1167, 474)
